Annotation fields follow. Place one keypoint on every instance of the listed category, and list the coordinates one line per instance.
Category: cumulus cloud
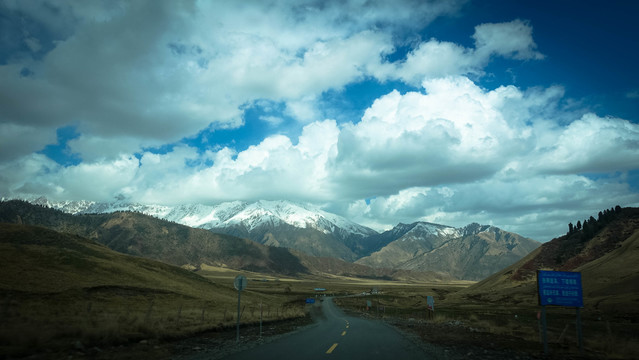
(454, 133)
(162, 71)
(131, 77)
(435, 59)
(520, 206)
(592, 144)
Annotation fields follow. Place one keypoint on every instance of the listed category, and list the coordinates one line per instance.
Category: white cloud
(274, 169)
(539, 207)
(435, 59)
(592, 144)
(450, 155)
(130, 76)
(512, 39)
(454, 133)
(162, 71)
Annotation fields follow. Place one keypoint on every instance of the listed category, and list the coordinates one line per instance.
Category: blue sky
(520, 114)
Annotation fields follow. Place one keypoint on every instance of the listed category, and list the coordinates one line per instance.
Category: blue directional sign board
(560, 288)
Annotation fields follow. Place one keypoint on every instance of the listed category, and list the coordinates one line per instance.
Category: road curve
(337, 336)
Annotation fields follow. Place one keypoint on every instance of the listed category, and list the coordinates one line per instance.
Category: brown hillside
(61, 292)
(145, 236)
(607, 261)
(141, 235)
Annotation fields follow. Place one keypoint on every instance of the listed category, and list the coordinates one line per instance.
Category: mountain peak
(475, 228)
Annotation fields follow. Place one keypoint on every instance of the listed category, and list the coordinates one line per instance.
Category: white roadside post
(239, 284)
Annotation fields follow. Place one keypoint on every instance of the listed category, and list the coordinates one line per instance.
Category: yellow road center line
(343, 332)
(330, 350)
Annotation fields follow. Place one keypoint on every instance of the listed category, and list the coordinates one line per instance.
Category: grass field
(612, 335)
(60, 292)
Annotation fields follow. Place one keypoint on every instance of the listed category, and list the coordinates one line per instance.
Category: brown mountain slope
(608, 263)
(470, 253)
(145, 236)
(142, 235)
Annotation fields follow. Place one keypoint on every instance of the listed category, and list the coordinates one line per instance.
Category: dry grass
(59, 292)
(606, 335)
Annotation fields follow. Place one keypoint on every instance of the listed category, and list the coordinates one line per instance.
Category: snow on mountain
(421, 230)
(273, 213)
(249, 215)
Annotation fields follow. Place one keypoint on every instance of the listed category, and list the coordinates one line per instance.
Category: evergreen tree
(578, 225)
(570, 228)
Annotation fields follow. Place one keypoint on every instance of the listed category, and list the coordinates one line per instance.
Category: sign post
(239, 284)
(560, 288)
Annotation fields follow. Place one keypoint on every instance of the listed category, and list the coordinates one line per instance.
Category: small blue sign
(310, 301)
(560, 288)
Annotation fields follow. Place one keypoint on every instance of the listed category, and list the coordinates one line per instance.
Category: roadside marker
(330, 350)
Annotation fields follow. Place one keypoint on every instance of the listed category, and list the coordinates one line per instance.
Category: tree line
(589, 227)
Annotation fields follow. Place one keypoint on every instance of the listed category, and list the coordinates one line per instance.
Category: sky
(519, 114)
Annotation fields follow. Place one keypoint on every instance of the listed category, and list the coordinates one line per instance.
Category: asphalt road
(337, 336)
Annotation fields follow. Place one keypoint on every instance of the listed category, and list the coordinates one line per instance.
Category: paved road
(338, 336)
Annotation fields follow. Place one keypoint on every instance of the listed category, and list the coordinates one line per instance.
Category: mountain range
(145, 236)
(471, 252)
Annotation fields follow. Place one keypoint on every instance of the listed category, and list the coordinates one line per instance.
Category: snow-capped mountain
(255, 215)
(278, 223)
(471, 252)
(249, 215)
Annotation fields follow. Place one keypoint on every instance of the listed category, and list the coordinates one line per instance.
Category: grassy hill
(607, 260)
(60, 290)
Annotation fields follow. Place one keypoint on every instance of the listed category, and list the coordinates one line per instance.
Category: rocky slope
(472, 252)
(607, 259)
(276, 223)
(145, 236)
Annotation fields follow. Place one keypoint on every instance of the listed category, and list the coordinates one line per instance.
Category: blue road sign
(310, 301)
(560, 288)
